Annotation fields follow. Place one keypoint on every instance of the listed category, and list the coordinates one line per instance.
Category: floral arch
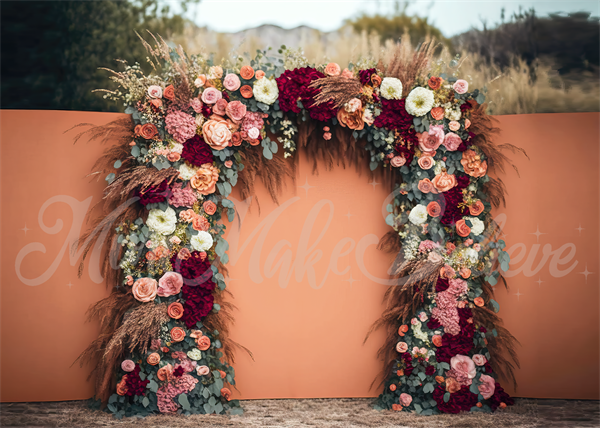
(197, 129)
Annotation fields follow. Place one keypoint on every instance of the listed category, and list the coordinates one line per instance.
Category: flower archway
(198, 129)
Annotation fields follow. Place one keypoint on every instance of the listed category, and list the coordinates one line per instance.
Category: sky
(450, 16)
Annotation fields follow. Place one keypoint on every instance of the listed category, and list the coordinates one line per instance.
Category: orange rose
(205, 179)
(435, 83)
(476, 208)
(247, 72)
(434, 209)
(121, 386)
(175, 310)
(464, 272)
(209, 207)
(156, 103)
(144, 289)
(400, 372)
(169, 93)
(452, 385)
(392, 387)
(246, 90)
(375, 80)
(161, 252)
(200, 223)
(165, 372)
(164, 349)
(502, 405)
(444, 181)
(223, 374)
(150, 256)
(426, 186)
(259, 75)
(177, 334)
(403, 329)
(462, 229)
(351, 120)
(479, 301)
(226, 393)
(479, 405)
(396, 407)
(437, 113)
(472, 164)
(216, 133)
(236, 139)
(333, 69)
(203, 343)
(148, 131)
(439, 379)
(153, 359)
(437, 340)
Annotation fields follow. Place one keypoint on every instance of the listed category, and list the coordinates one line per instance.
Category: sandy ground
(318, 413)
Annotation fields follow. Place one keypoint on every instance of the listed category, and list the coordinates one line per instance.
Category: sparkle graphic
(306, 186)
(580, 229)
(69, 285)
(374, 183)
(348, 215)
(518, 294)
(586, 272)
(537, 233)
(25, 229)
(351, 280)
(539, 282)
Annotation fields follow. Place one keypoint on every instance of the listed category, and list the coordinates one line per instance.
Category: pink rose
(228, 163)
(447, 272)
(414, 321)
(236, 111)
(468, 242)
(477, 247)
(128, 365)
(405, 399)
(402, 347)
(220, 106)
(452, 141)
(253, 133)
(332, 69)
(211, 95)
(423, 317)
(461, 86)
(368, 117)
(353, 105)
(232, 82)
(425, 162)
(202, 370)
(347, 74)
(457, 286)
(155, 91)
(430, 141)
(479, 359)
(434, 257)
(463, 365)
(454, 125)
(170, 284)
(423, 351)
(196, 105)
(397, 161)
(327, 136)
(487, 386)
(467, 123)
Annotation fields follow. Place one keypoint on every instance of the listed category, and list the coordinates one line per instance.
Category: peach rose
(144, 289)
(467, 123)
(203, 343)
(400, 372)
(165, 372)
(462, 229)
(487, 386)
(196, 334)
(161, 252)
(200, 223)
(464, 272)
(347, 74)
(435, 82)
(246, 90)
(437, 340)
(452, 141)
(396, 407)
(169, 93)
(247, 72)
(153, 359)
(472, 164)
(232, 82)
(351, 120)
(219, 107)
(215, 72)
(173, 157)
(205, 179)
(333, 69)
(444, 181)
(437, 113)
(476, 208)
(121, 386)
(425, 162)
(156, 103)
(405, 399)
(209, 207)
(226, 393)
(479, 360)
(259, 75)
(434, 257)
(439, 379)
(170, 284)
(202, 370)
(454, 125)
(200, 81)
(392, 387)
(397, 161)
(177, 334)
(129, 280)
(236, 111)
(175, 310)
(216, 134)
(426, 186)
(428, 143)
(402, 347)
(434, 209)
(187, 215)
(184, 254)
(452, 385)
(479, 301)
(236, 139)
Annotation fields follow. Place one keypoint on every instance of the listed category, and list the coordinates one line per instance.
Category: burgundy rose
(450, 199)
(365, 75)
(196, 151)
(395, 117)
(195, 270)
(430, 370)
(461, 400)
(134, 384)
(153, 194)
(500, 396)
(178, 371)
(442, 284)
(407, 363)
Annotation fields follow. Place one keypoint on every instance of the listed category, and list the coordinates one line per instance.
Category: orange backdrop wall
(306, 275)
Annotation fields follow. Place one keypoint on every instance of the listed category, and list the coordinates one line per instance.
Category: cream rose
(216, 134)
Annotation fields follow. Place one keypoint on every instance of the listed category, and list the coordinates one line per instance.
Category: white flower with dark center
(391, 88)
(419, 102)
(162, 222)
(203, 241)
(266, 91)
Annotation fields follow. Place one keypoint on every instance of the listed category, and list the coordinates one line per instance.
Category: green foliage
(51, 50)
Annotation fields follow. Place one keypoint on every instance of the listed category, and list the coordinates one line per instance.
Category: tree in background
(51, 50)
